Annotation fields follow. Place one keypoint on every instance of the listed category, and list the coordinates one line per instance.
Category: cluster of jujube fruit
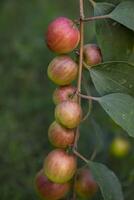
(54, 180)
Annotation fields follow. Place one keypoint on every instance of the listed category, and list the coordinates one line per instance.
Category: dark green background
(26, 107)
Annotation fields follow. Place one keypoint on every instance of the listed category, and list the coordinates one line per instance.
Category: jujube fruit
(48, 190)
(120, 147)
(62, 35)
(92, 54)
(85, 185)
(64, 93)
(60, 136)
(62, 70)
(68, 113)
(59, 166)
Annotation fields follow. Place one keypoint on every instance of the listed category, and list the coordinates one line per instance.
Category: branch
(81, 3)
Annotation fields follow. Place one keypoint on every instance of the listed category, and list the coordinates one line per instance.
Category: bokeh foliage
(26, 100)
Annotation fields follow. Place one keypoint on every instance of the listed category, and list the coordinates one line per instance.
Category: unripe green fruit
(85, 185)
(62, 70)
(62, 35)
(64, 93)
(48, 190)
(60, 136)
(120, 147)
(68, 114)
(59, 166)
(92, 54)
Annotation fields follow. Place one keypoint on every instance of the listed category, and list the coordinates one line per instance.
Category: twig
(80, 156)
(92, 2)
(93, 155)
(96, 17)
(88, 97)
(87, 19)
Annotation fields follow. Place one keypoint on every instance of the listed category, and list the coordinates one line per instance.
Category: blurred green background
(26, 107)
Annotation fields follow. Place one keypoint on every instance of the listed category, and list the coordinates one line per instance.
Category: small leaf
(120, 107)
(116, 41)
(113, 77)
(124, 14)
(109, 184)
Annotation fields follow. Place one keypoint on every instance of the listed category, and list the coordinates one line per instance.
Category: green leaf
(113, 77)
(98, 134)
(131, 59)
(120, 107)
(124, 14)
(111, 1)
(116, 41)
(109, 184)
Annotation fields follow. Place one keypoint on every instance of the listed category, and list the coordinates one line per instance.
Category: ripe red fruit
(48, 190)
(59, 166)
(92, 54)
(62, 35)
(64, 93)
(85, 185)
(60, 136)
(68, 113)
(62, 70)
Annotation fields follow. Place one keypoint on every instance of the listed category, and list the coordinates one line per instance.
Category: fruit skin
(60, 136)
(64, 93)
(62, 35)
(120, 147)
(68, 113)
(85, 185)
(62, 70)
(59, 166)
(48, 190)
(92, 54)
